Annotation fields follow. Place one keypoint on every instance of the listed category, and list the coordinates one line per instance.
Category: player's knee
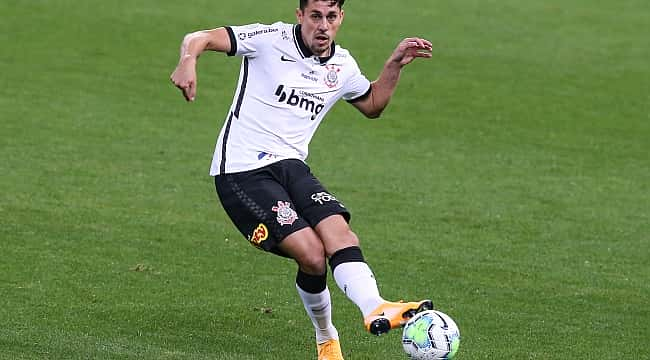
(344, 240)
(351, 239)
(312, 259)
(313, 263)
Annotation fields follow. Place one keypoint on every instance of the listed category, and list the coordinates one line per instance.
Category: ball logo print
(286, 215)
(419, 334)
(431, 335)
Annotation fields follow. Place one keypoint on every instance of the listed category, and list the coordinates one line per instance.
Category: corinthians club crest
(332, 75)
(286, 215)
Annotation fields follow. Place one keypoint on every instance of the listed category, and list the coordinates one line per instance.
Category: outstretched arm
(184, 76)
(382, 89)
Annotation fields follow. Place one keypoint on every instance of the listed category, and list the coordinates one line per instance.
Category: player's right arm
(193, 45)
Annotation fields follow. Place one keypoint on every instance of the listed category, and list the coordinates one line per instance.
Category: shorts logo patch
(321, 197)
(286, 215)
(260, 234)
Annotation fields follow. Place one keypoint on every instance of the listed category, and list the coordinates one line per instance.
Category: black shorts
(272, 202)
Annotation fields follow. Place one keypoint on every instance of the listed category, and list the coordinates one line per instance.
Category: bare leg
(352, 274)
(306, 248)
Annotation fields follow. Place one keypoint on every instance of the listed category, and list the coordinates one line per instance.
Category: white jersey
(283, 93)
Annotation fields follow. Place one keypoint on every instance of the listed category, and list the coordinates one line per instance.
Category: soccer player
(291, 75)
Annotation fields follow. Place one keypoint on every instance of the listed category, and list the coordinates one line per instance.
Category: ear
(342, 15)
(299, 15)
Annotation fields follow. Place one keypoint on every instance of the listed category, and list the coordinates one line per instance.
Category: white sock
(319, 309)
(359, 285)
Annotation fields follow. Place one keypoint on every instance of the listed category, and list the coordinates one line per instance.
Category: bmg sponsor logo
(303, 100)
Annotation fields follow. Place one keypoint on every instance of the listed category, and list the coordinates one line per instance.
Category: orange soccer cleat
(330, 350)
(391, 315)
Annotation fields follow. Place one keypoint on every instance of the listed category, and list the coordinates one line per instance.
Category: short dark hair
(303, 3)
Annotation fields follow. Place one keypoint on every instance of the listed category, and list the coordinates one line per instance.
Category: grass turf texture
(508, 181)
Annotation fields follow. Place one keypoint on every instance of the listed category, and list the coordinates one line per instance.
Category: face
(320, 22)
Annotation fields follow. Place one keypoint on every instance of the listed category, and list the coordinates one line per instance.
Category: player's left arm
(381, 90)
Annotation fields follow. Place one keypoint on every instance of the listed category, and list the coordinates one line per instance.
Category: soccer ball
(431, 335)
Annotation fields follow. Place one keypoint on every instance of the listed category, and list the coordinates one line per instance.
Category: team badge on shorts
(286, 215)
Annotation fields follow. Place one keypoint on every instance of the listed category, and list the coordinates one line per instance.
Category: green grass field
(509, 181)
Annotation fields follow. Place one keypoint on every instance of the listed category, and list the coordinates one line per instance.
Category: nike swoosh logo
(283, 58)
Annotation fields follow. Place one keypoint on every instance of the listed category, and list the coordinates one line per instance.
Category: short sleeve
(357, 87)
(247, 40)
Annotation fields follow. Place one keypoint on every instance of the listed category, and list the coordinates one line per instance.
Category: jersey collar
(304, 51)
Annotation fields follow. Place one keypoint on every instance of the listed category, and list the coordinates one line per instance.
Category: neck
(306, 51)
